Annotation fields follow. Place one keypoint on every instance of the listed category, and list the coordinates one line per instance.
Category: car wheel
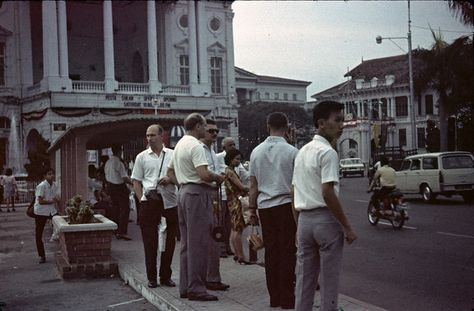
(427, 194)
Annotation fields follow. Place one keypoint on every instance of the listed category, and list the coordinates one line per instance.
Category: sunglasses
(213, 131)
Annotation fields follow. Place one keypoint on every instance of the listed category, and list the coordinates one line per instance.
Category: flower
(79, 211)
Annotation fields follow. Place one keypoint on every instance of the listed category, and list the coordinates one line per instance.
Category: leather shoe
(42, 260)
(183, 295)
(202, 297)
(216, 286)
(152, 284)
(168, 282)
(124, 237)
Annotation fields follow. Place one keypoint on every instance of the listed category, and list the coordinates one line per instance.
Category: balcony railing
(88, 86)
(129, 87)
(176, 89)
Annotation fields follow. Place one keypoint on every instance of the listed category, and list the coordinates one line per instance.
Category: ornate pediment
(216, 48)
(4, 32)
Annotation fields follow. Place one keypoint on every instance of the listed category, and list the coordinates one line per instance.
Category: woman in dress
(9, 188)
(234, 189)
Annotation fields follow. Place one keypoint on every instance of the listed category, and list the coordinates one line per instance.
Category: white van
(444, 173)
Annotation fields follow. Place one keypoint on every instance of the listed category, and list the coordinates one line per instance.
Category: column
(110, 84)
(394, 107)
(153, 82)
(230, 58)
(205, 86)
(63, 48)
(193, 71)
(50, 47)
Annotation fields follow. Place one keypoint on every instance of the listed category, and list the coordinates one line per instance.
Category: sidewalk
(247, 283)
(23, 277)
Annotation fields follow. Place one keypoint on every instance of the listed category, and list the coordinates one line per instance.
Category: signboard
(141, 101)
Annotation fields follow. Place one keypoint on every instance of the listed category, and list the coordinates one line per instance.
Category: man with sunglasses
(213, 273)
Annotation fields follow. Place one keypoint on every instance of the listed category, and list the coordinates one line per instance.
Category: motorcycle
(396, 212)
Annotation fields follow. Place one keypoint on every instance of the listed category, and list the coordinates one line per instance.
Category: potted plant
(85, 241)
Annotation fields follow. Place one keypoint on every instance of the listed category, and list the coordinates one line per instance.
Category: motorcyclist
(385, 181)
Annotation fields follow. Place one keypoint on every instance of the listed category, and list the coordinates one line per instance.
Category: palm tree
(447, 68)
(463, 10)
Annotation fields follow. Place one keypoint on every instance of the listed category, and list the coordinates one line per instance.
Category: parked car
(351, 166)
(441, 173)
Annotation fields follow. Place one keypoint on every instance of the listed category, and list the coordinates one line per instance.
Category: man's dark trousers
(171, 215)
(150, 218)
(120, 206)
(278, 231)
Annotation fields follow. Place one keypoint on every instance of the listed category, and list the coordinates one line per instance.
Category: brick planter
(85, 248)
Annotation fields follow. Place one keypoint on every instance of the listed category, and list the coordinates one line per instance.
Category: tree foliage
(462, 10)
(252, 122)
(448, 69)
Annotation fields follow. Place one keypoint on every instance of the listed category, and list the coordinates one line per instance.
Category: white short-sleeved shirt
(115, 171)
(188, 154)
(271, 163)
(47, 192)
(317, 163)
(147, 170)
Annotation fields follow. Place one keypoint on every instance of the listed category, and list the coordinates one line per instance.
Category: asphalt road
(428, 265)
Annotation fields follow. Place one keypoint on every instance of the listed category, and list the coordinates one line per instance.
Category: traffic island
(85, 249)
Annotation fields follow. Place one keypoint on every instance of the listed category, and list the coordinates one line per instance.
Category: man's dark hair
(277, 121)
(192, 120)
(210, 121)
(9, 172)
(324, 109)
(384, 161)
(116, 149)
(230, 155)
(49, 169)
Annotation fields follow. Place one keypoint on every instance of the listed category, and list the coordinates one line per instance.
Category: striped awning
(177, 131)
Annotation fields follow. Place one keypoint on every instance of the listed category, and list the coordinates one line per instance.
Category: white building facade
(65, 62)
(257, 88)
(380, 86)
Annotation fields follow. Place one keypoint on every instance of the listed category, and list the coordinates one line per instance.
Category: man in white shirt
(157, 198)
(117, 178)
(214, 280)
(322, 223)
(228, 143)
(189, 169)
(271, 169)
(46, 199)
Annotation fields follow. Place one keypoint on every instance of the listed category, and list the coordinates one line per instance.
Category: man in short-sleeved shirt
(116, 177)
(189, 169)
(271, 169)
(322, 223)
(148, 175)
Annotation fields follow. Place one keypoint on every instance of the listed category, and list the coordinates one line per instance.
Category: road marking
(362, 201)
(389, 224)
(457, 235)
(125, 303)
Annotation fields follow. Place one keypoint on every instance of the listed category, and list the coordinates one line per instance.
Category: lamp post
(379, 39)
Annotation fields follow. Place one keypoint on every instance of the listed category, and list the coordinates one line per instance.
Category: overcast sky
(318, 41)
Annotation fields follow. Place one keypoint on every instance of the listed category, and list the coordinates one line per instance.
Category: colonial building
(252, 88)
(380, 86)
(110, 68)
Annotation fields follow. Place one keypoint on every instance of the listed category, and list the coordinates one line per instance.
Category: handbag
(218, 230)
(255, 239)
(30, 210)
